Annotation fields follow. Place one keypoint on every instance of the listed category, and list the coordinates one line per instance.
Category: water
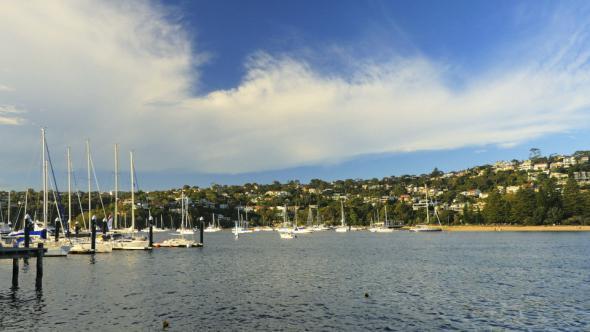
(445, 281)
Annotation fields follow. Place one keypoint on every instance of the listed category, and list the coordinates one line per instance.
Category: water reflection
(316, 282)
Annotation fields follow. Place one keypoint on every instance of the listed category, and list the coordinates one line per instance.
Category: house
(582, 177)
(569, 161)
(526, 165)
(512, 189)
(471, 193)
(405, 198)
(540, 166)
(556, 164)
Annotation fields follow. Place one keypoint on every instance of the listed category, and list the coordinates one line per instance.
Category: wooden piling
(201, 229)
(14, 273)
(151, 236)
(39, 278)
(93, 235)
(27, 234)
(56, 231)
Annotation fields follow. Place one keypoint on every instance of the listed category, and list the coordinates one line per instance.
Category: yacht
(428, 227)
(343, 228)
(212, 228)
(131, 240)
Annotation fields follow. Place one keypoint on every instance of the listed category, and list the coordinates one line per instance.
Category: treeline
(544, 205)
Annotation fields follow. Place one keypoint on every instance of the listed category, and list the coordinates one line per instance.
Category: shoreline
(514, 228)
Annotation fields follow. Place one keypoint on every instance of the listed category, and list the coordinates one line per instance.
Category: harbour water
(440, 281)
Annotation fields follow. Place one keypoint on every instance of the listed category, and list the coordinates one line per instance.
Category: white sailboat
(84, 246)
(384, 228)
(212, 227)
(428, 227)
(343, 228)
(286, 231)
(184, 229)
(132, 241)
(303, 229)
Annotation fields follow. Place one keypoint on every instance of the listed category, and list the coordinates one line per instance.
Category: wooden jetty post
(93, 234)
(57, 229)
(17, 253)
(151, 236)
(39, 278)
(27, 234)
(201, 229)
(14, 273)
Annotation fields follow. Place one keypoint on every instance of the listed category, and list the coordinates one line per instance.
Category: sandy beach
(511, 228)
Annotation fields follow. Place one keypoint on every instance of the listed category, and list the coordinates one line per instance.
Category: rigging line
(97, 186)
(58, 202)
(57, 207)
(79, 198)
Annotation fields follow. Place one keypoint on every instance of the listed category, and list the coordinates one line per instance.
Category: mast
(89, 183)
(285, 217)
(132, 192)
(342, 213)
(8, 207)
(182, 210)
(427, 203)
(69, 188)
(116, 224)
(45, 197)
(44, 171)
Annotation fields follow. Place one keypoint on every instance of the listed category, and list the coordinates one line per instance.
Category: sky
(231, 91)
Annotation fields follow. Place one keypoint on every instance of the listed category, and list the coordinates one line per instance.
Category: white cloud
(121, 72)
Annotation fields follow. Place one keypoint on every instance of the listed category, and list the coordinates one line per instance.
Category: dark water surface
(446, 281)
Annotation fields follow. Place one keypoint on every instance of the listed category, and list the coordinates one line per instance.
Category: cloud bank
(122, 72)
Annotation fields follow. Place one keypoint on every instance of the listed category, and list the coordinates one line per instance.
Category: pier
(17, 253)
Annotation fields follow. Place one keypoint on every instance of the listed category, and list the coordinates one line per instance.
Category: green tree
(496, 210)
(572, 200)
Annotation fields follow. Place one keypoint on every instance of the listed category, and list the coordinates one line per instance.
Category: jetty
(17, 253)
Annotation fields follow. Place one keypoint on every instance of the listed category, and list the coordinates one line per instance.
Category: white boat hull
(286, 235)
(133, 244)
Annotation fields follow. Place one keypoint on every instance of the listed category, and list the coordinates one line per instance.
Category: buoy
(366, 294)
(165, 324)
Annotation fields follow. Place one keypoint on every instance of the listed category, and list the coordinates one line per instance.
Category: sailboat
(243, 223)
(320, 226)
(84, 246)
(57, 247)
(184, 229)
(6, 227)
(212, 226)
(343, 228)
(132, 241)
(383, 229)
(286, 231)
(303, 229)
(428, 227)
(160, 229)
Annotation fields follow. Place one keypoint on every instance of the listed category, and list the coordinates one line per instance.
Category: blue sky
(253, 91)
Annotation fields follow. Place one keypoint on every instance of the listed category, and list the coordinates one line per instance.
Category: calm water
(447, 281)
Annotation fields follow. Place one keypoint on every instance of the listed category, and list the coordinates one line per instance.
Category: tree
(572, 200)
(496, 210)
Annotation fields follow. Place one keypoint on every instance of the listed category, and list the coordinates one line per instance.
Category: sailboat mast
(8, 212)
(89, 183)
(116, 186)
(45, 197)
(44, 170)
(342, 213)
(427, 204)
(132, 192)
(69, 187)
